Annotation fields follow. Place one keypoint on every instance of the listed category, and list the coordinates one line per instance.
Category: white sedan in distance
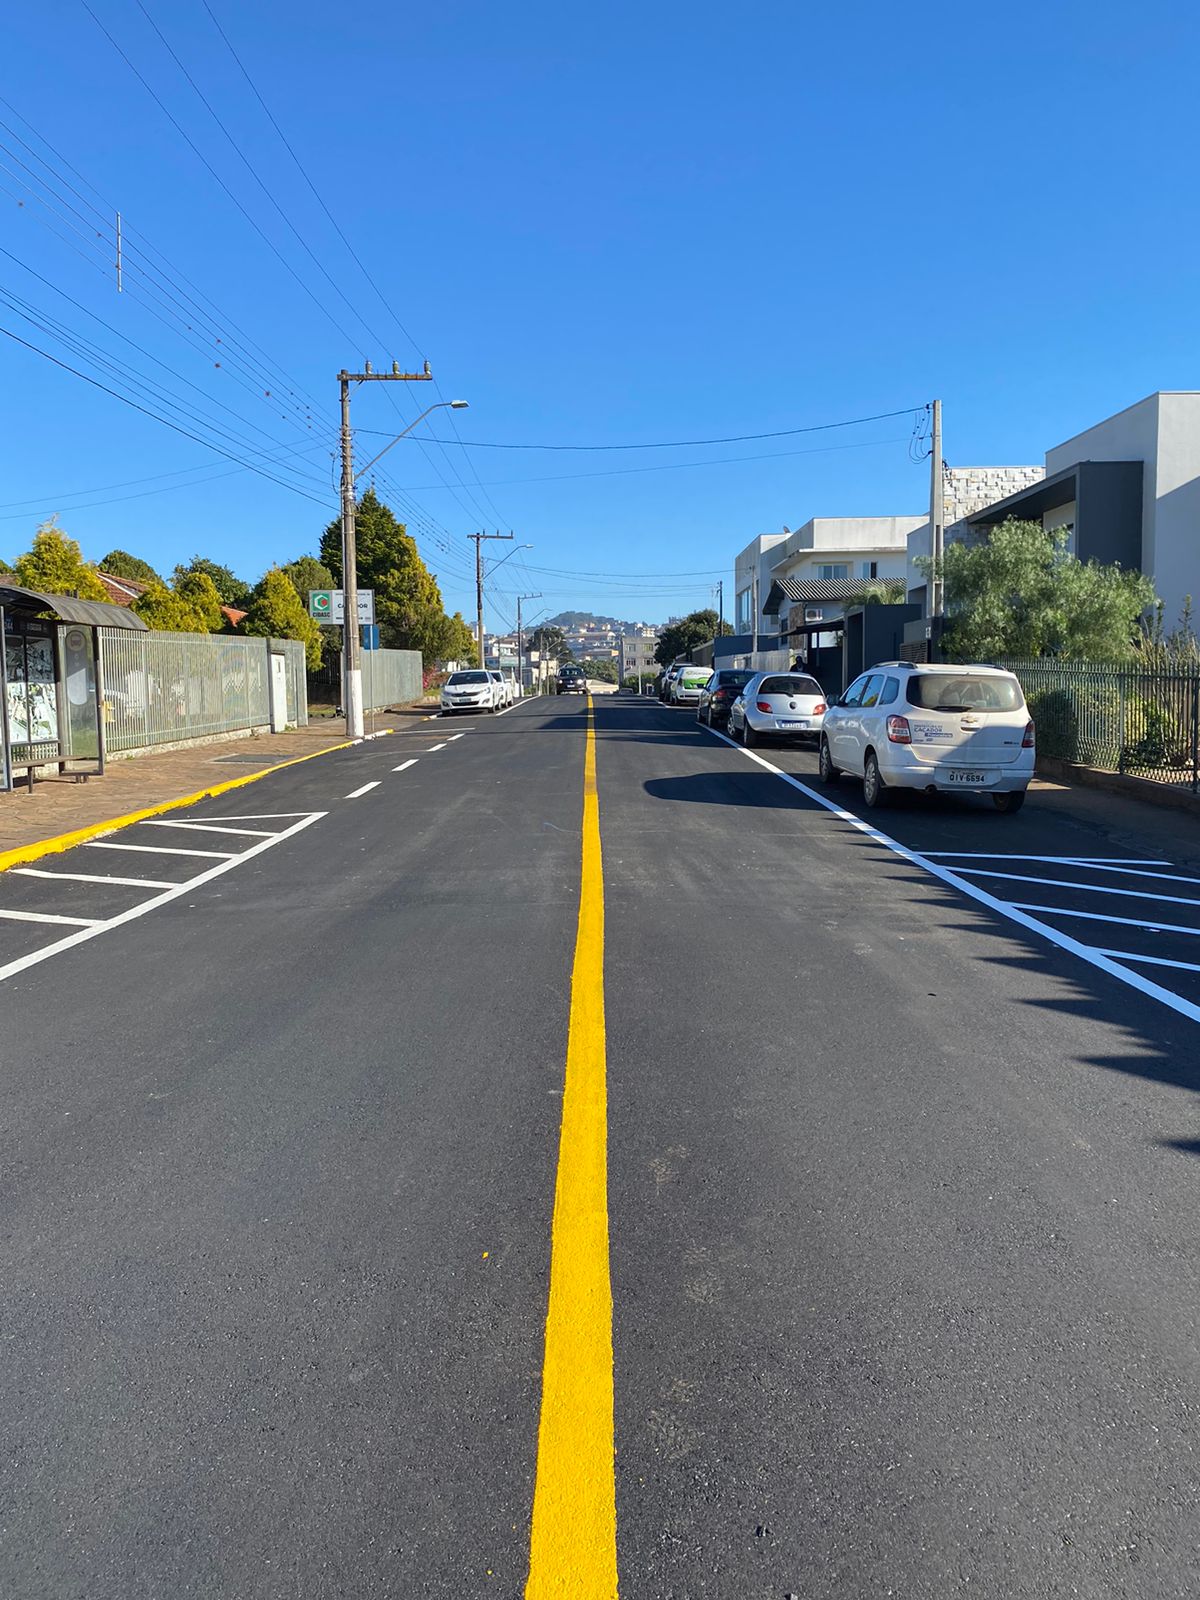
(469, 690)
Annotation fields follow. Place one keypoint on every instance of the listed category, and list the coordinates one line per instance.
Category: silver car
(778, 705)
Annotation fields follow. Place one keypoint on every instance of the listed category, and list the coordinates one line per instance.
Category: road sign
(329, 605)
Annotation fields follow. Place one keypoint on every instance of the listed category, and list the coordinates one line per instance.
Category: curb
(66, 841)
(1144, 789)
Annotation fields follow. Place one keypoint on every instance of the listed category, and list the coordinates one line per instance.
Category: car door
(840, 726)
(868, 719)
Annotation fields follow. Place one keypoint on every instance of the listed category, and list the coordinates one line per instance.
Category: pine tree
(275, 612)
(55, 565)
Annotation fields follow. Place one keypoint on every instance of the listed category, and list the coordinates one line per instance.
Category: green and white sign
(329, 605)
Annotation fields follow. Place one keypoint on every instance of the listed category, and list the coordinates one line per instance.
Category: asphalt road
(902, 1190)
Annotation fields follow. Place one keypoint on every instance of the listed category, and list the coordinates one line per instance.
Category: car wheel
(874, 792)
(749, 737)
(1010, 802)
(826, 770)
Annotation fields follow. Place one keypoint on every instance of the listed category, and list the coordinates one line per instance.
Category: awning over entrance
(64, 607)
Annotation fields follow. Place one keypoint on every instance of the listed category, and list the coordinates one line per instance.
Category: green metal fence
(1123, 718)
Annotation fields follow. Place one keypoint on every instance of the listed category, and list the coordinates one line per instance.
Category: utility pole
(937, 515)
(521, 640)
(720, 606)
(352, 697)
(754, 610)
(479, 538)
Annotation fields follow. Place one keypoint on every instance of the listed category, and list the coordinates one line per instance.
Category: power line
(676, 444)
(125, 400)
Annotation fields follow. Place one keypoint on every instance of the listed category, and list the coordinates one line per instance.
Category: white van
(938, 728)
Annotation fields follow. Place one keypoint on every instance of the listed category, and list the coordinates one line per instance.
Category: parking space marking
(211, 827)
(1153, 961)
(90, 877)
(90, 928)
(357, 794)
(434, 747)
(1093, 888)
(160, 849)
(1126, 869)
(1101, 916)
(44, 916)
(404, 765)
(1010, 910)
(454, 736)
(1112, 862)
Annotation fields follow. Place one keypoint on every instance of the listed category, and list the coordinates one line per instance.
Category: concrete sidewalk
(61, 805)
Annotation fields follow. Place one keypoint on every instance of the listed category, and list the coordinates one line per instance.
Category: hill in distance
(567, 620)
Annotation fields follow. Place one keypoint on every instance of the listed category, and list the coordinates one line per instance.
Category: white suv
(937, 728)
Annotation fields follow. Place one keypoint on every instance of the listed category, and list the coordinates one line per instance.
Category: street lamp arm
(508, 557)
(458, 405)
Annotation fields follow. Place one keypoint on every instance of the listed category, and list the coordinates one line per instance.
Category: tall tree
(167, 611)
(122, 565)
(307, 573)
(601, 669)
(549, 640)
(681, 637)
(275, 612)
(54, 564)
(197, 590)
(408, 602)
(230, 587)
(461, 644)
(1022, 593)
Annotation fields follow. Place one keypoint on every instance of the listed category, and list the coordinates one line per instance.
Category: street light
(454, 405)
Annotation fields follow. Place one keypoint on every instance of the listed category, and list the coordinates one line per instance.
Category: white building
(637, 654)
(965, 490)
(846, 552)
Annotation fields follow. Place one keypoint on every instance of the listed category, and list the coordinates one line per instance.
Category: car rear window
(942, 691)
(732, 680)
(466, 677)
(789, 685)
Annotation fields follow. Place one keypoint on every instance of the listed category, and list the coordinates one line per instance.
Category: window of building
(833, 569)
(868, 569)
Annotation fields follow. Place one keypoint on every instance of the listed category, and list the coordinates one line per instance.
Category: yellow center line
(573, 1544)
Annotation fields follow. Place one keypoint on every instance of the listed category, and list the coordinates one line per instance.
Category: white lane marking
(168, 849)
(1100, 916)
(263, 816)
(454, 736)
(1088, 888)
(212, 827)
(434, 747)
(40, 916)
(22, 963)
(404, 765)
(357, 794)
(1154, 961)
(92, 877)
(1002, 908)
(1062, 861)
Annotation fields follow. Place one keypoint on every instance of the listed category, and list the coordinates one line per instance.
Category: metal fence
(1123, 718)
(390, 678)
(163, 687)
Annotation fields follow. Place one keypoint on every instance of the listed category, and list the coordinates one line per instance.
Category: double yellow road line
(573, 1545)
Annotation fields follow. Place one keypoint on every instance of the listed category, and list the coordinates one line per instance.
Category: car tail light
(764, 705)
(1027, 741)
(819, 709)
(898, 730)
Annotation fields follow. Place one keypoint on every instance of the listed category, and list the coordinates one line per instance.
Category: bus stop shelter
(52, 681)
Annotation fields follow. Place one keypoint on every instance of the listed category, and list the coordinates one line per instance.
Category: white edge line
(91, 877)
(1011, 913)
(44, 916)
(355, 794)
(404, 765)
(24, 962)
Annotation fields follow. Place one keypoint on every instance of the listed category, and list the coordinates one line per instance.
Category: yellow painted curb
(66, 841)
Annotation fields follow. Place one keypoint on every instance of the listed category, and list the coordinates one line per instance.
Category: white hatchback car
(778, 705)
(937, 728)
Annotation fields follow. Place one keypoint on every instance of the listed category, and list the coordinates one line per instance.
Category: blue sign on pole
(370, 636)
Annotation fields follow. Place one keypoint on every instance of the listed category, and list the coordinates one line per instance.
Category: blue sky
(611, 225)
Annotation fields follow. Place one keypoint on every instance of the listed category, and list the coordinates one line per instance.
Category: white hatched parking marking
(89, 928)
(1153, 961)
(357, 794)
(41, 916)
(161, 849)
(212, 827)
(1013, 911)
(91, 877)
(1094, 888)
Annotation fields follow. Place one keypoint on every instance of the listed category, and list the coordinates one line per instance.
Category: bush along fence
(1123, 718)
